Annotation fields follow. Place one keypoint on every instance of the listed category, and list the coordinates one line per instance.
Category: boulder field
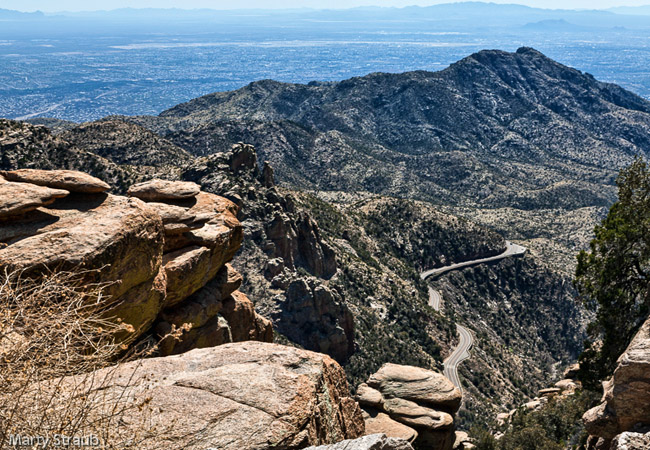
(162, 252)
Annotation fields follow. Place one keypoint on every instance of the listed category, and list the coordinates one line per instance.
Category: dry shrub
(54, 337)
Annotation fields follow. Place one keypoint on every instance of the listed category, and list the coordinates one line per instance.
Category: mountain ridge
(493, 131)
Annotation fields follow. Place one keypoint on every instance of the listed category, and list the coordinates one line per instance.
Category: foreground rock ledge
(248, 395)
(626, 401)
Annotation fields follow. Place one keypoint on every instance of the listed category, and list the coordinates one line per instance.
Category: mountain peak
(530, 51)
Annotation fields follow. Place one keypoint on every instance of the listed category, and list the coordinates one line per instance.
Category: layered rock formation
(162, 262)
(625, 405)
(239, 396)
(411, 403)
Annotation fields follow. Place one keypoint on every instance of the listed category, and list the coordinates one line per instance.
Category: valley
(359, 224)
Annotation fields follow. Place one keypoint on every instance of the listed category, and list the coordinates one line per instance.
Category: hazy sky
(85, 5)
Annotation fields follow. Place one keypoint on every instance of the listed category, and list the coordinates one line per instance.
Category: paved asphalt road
(511, 250)
(461, 352)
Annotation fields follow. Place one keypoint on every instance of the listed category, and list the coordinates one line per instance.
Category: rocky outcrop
(286, 243)
(69, 180)
(240, 396)
(118, 239)
(314, 314)
(163, 264)
(369, 442)
(422, 401)
(298, 243)
(161, 190)
(631, 441)
(626, 401)
(20, 198)
(564, 388)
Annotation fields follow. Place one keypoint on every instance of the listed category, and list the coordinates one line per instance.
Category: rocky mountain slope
(526, 326)
(493, 131)
(344, 279)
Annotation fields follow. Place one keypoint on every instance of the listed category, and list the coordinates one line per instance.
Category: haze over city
(80, 5)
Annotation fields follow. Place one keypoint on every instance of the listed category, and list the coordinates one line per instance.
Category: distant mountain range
(471, 14)
(8, 14)
(475, 133)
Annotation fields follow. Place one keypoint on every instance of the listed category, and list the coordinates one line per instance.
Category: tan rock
(626, 399)
(462, 441)
(213, 332)
(503, 418)
(239, 396)
(567, 386)
(159, 190)
(370, 442)
(228, 281)
(171, 213)
(121, 235)
(197, 309)
(188, 270)
(208, 206)
(221, 232)
(200, 310)
(70, 180)
(416, 384)
(533, 405)
(118, 237)
(367, 396)
(379, 422)
(138, 305)
(572, 371)
(631, 441)
(549, 392)
(20, 198)
(414, 415)
(172, 229)
(245, 323)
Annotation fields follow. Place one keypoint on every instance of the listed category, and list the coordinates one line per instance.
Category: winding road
(461, 352)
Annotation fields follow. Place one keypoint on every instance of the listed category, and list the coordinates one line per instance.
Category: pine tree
(613, 278)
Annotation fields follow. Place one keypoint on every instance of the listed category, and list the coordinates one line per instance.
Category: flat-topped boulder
(21, 198)
(549, 392)
(160, 190)
(242, 396)
(414, 415)
(70, 180)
